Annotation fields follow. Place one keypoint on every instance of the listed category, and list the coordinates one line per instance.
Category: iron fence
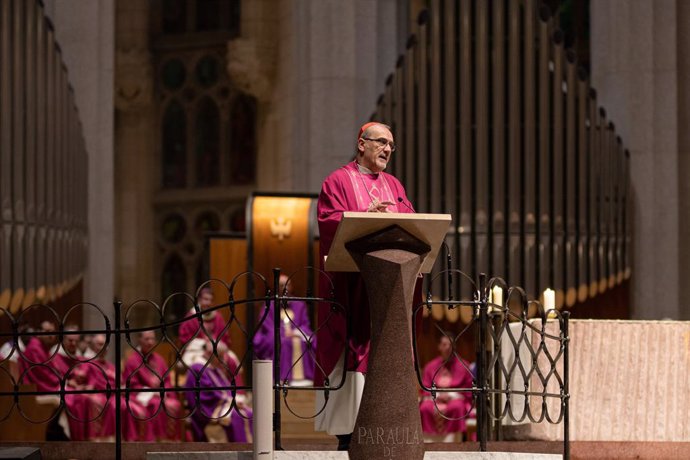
(515, 341)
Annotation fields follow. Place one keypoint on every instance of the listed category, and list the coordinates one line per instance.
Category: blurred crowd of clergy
(190, 399)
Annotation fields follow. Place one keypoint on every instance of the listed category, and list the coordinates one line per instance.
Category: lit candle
(497, 295)
(549, 299)
(550, 302)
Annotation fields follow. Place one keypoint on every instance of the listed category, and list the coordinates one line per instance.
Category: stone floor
(579, 450)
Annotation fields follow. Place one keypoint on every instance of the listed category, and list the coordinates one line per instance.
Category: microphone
(400, 200)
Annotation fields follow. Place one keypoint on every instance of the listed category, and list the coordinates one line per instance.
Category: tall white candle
(497, 295)
(549, 299)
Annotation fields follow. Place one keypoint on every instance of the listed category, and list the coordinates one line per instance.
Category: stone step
(294, 426)
(334, 455)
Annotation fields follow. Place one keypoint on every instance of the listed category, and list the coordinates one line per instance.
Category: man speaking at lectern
(360, 185)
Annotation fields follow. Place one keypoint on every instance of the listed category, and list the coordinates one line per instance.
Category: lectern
(389, 250)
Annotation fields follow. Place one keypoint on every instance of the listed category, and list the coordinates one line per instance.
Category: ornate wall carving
(133, 79)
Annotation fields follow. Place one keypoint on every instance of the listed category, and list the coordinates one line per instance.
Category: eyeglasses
(382, 142)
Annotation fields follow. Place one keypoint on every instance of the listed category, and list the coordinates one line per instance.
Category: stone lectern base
(389, 424)
(389, 251)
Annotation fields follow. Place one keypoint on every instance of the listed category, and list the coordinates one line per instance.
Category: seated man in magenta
(449, 413)
(146, 369)
(193, 337)
(297, 344)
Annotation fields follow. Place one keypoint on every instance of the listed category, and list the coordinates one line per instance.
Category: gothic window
(206, 71)
(173, 229)
(174, 16)
(243, 134)
(208, 128)
(197, 16)
(174, 145)
(207, 138)
(206, 148)
(208, 14)
(183, 254)
(173, 74)
(174, 279)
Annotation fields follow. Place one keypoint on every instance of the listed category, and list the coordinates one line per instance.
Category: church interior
(154, 151)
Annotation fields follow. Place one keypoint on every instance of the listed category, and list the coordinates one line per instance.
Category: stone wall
(628, 382)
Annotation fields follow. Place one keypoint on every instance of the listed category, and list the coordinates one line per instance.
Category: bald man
(361, 185)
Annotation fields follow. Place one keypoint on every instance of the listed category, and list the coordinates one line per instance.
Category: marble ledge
(335, 455)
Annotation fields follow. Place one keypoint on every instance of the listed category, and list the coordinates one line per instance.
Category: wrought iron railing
(544, 375)
(502, 331)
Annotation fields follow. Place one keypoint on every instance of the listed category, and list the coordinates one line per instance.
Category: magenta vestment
(298, 320)
(455, 405)
(190, 329)
(346, 189)
(85, 407)
(138, 375)
(133, 429)
(216, 330)
(79, 407)
(43, 377)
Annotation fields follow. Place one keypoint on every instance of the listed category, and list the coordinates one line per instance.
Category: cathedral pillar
(86, 37)
(332, 63)
(136, 175)
(639, 58)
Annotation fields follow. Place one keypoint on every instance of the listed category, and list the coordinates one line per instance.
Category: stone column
(86, 37)
(252, 67)
(639, 56)
(332, 63)
(137, 175)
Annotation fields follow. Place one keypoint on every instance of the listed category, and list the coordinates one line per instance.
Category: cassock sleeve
(330, 208)
(188, 330)
(130, 366)
(37, 366)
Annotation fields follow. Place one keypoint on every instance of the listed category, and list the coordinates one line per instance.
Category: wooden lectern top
(429, 228)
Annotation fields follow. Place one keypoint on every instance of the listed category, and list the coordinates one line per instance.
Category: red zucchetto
(366, 126)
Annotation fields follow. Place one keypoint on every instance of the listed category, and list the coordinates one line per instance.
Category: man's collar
(364, 169)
